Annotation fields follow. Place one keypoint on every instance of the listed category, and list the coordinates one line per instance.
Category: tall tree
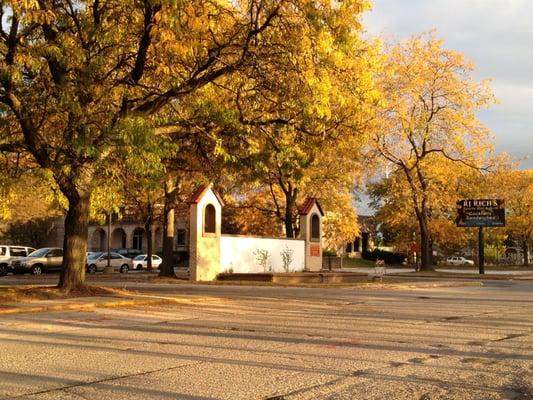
(309, 118)
(75, 74)
(516, 188)
(429, 112)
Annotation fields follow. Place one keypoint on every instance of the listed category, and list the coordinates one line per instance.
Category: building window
(315, 228)
(181, 238)
(138, 239)
(209, 219)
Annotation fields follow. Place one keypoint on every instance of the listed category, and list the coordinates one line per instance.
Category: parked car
(128, 253)
(141, 261)
(9, 254)
(39, 261)
(97, 262)
(456, 260)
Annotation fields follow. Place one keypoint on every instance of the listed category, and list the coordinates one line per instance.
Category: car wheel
(124, 268)
(36, 270)
(139, 266)
(91, 269)
(3, 269)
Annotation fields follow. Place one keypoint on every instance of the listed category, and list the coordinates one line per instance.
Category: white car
(9, 253)
(459, 261)
(98, 262)
(141, 261)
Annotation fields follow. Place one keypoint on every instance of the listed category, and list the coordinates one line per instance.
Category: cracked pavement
(275, 343)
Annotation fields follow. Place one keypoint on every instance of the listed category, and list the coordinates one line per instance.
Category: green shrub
(387, 256)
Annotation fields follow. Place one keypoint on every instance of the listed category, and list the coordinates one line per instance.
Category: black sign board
(480, 213)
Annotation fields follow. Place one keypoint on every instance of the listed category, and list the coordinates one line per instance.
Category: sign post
(481, 251)
(481, 213)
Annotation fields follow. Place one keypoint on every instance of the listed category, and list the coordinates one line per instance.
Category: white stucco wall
(204, 257)
(256, 255)
(313, 259)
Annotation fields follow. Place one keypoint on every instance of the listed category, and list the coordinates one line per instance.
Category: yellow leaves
(37, 16)
(106, 198)
(325, 42)
(7, 198)
(434, 98)
(22, 6)
(516, 188)
(339, 223)
(445, 233)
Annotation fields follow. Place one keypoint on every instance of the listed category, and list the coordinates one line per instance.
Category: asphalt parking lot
(242, 342)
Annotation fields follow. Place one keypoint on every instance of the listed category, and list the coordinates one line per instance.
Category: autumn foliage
(118, 103)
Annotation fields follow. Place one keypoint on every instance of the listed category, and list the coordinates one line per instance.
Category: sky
(497, 35)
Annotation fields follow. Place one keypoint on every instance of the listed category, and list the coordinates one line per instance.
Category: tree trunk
(75, 243)
(167, 266)
(525, 250)
(290, 204)
(425, 247)
(289, 231)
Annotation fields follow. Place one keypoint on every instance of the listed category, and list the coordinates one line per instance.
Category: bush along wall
(387, 256)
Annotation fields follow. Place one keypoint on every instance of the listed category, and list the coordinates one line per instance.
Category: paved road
(280, 343)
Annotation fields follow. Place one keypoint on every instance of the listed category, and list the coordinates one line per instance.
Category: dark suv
(128, 253)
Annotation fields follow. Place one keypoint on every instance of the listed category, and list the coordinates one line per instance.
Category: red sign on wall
(315, 250)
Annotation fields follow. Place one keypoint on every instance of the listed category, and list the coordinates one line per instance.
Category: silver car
(97, 262)
(42, 260)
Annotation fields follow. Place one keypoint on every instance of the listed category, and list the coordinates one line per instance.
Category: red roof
(199, 193)
(308, 204)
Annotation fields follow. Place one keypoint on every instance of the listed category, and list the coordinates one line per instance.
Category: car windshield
(140, 257)
(39, 253)
(94, 256)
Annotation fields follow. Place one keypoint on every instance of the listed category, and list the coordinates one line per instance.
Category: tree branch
(144, 44)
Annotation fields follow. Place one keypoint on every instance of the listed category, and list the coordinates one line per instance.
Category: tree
(308, 121)
(516, 188)
(391, 197)
(75, 77)
(428, 115)
(291, 117)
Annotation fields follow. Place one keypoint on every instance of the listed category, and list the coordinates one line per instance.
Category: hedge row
(387, 256)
